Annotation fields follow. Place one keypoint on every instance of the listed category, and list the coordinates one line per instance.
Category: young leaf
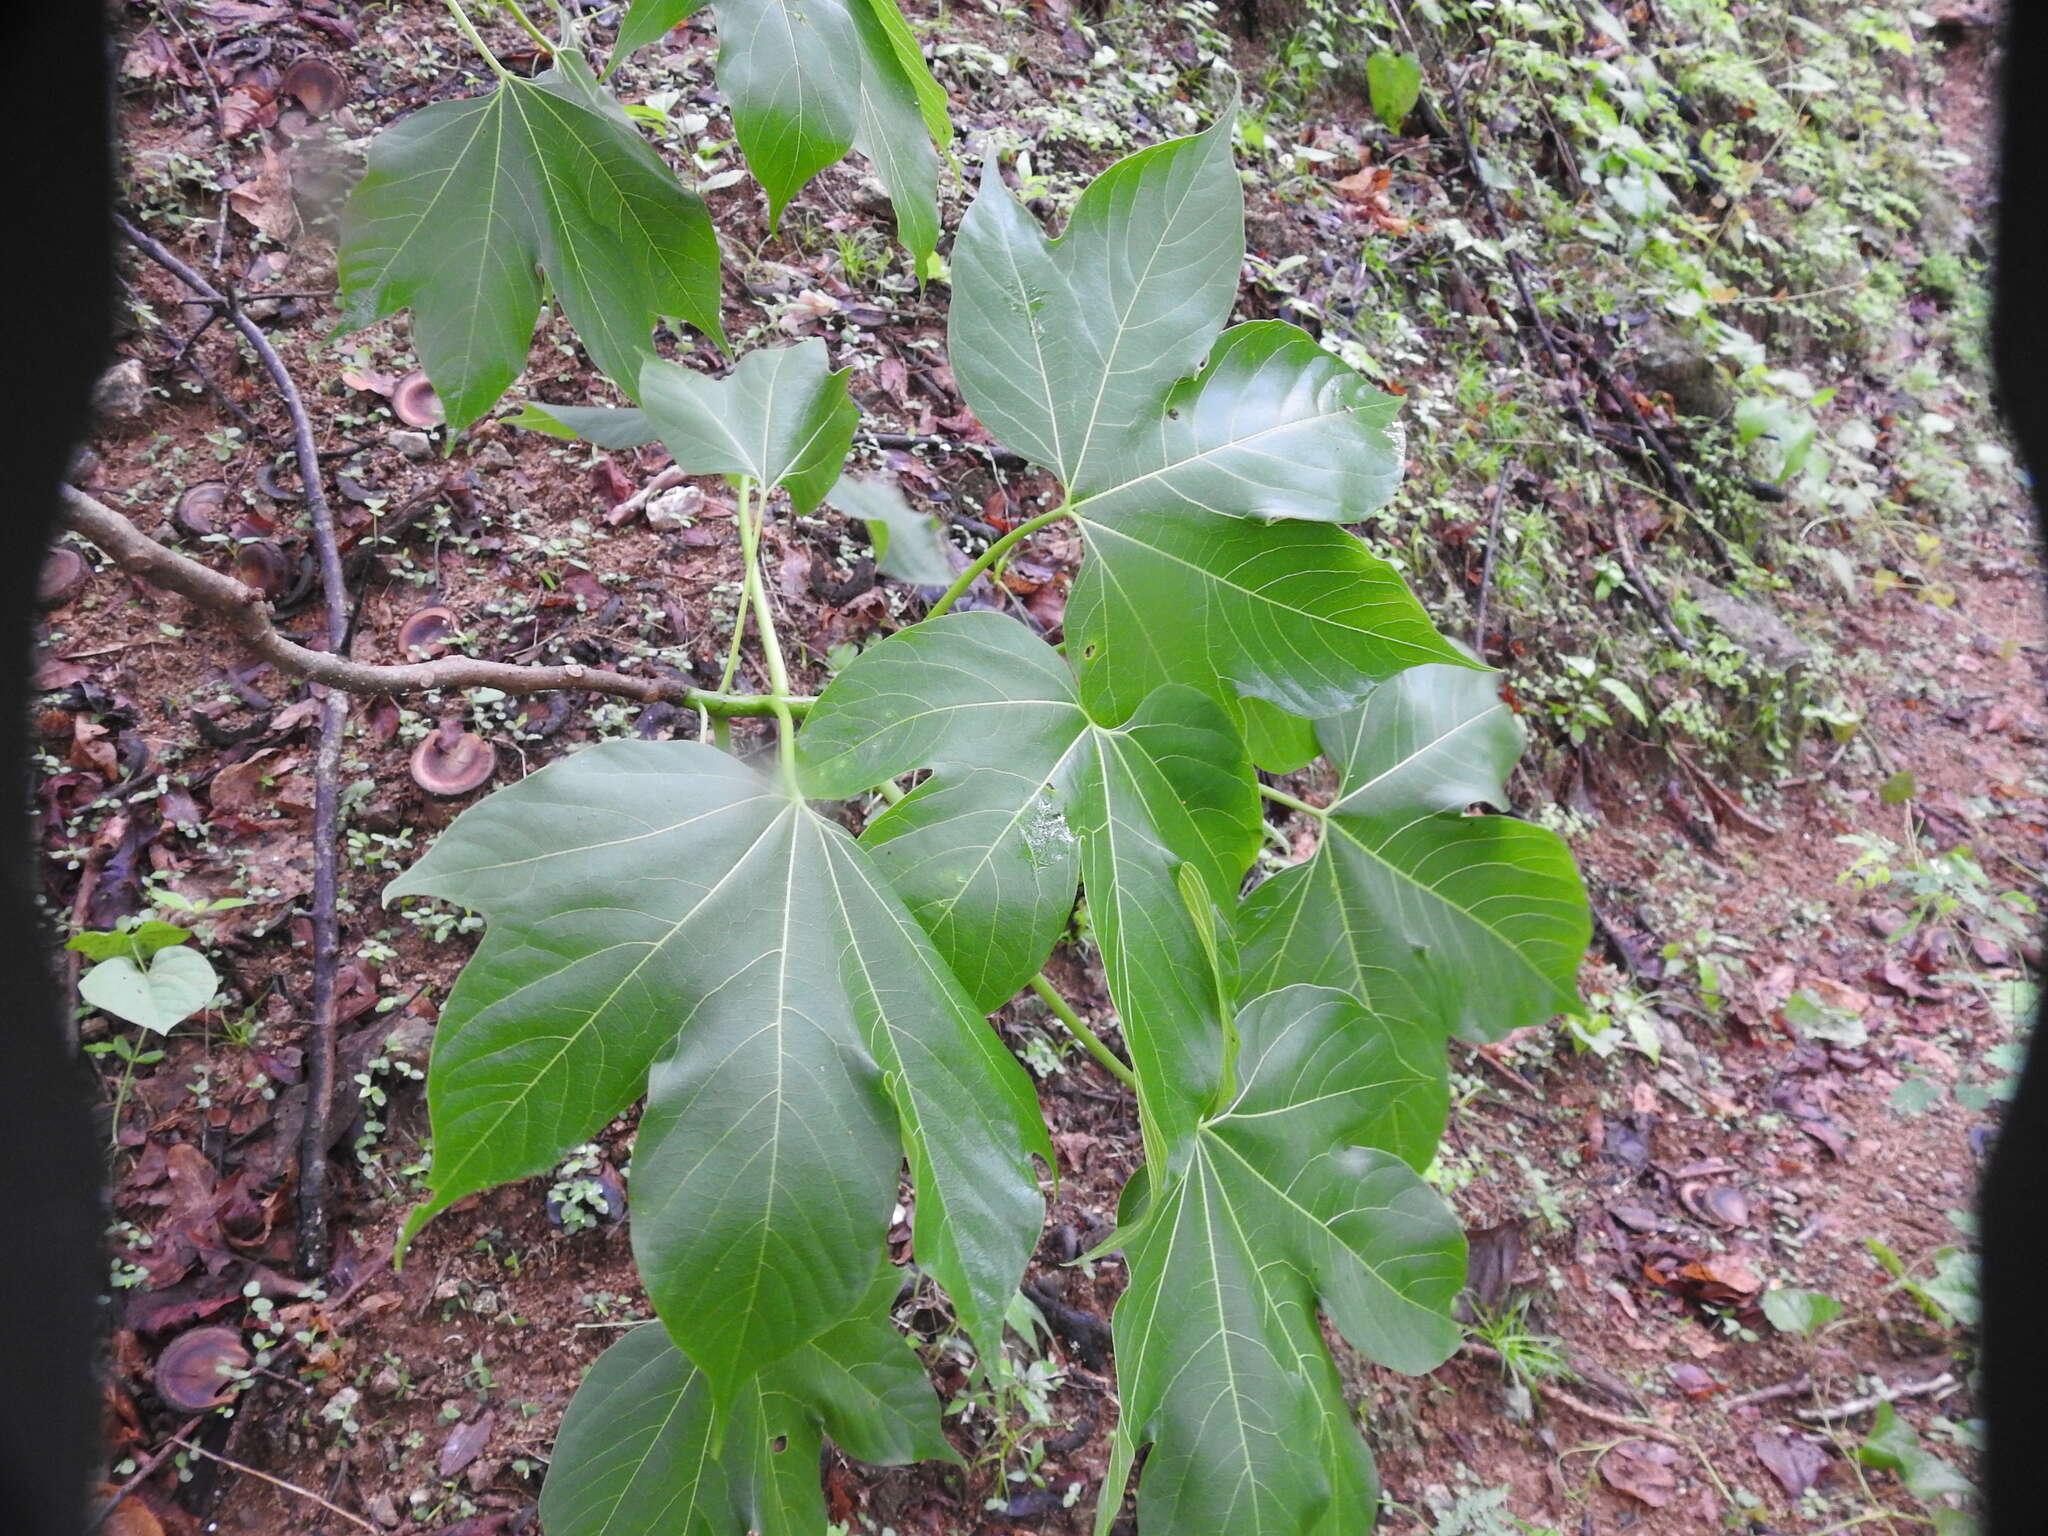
(1894, 1447)
(1283, 1211)
(908, 545)
(1482, 919)
(1189, 482)
(809, 81)
(1030, 792)
(663, 917)
(156, 994)
(1795, 1311)
(636, 1454)
(1394, 81)
(137, 943)
(781, 417)
(466, 203)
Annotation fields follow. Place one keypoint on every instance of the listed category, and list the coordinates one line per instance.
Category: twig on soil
(249, 616)
(314, 1240)
(277, 1482)
(1500, 496)
(1799, 1386)
(1642, 1429)
(1884, 1394)
(999, 457)
(143, 1472)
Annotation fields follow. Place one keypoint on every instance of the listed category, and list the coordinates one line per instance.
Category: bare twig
(1799, 1386)
(1642, 1429)
(277, 1482)
(244, 611)
(1885, 1393)
(314, 1240)
(1001, 458)
(142, 1473)
(1500, 489)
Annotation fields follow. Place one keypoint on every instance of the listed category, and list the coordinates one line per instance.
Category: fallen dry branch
(1885, 1393)
(244, 610)
(1642, 1429)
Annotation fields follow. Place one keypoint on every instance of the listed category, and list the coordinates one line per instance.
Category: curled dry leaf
(414, 402)
(201, 509)
(262, 565)
(315, 84)
(452, 761)
(1793, 1459)
(424, 634)
(64, 575)
(1642, 1469)
(192, 1374)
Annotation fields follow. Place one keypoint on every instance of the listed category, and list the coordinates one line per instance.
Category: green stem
(751, 515)
(476, 40)
(991, 555)
(741, 706)
(526, 25)
(1062, 1010)
(1281, 797)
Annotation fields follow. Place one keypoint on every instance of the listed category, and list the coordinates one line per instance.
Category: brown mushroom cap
(191, 1374)
(317, 84)
(262, 565)
(64, 575)
(414, 402)
(452, 761)
(424, 635)
(199, 511)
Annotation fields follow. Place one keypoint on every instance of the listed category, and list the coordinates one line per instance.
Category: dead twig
(1642, 1429)
(243, 609)
(1500, 490)
(313, 1234)
(277, 1482)
(1799, 1386)
(1885, 1393)
(142, 1473)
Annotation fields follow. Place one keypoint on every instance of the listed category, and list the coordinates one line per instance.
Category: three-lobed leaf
(1029, 792)
(664, 919)
(1477, 921)
(465, 205)
(639, 1454)
(1203, 491)
(1296, 1200)
(782, 417)
(810, 79)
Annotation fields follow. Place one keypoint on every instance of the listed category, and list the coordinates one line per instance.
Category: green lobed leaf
(608, 426)
(1481, 921)
(908, 545)
(1894, 1447)
(662, 917)
(156, 994)
(1286, 1210)
(810, 79)
(466, 204)
(636, 1455)
(1188, 479)
(781, 417)
(1028, 793)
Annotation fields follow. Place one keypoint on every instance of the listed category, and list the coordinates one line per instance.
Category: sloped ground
(1745, 674)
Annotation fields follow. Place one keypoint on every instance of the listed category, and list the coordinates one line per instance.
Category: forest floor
(1812, 823)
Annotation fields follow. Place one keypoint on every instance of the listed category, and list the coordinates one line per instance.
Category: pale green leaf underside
(156, 994)
(810, 79)
(636, 1455)
(1477, 921)
(909, 545)
(662, 918)
(1028, 794)
(1282, 1212)
(782, 417)
(465, 204)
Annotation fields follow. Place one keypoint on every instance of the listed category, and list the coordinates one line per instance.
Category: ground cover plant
(1072, 755)
(802, 1009)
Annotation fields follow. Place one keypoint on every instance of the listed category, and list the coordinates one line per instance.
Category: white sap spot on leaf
(1046, 835)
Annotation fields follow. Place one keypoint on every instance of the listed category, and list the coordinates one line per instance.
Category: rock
(492, 457)
(1667, 360)
(416, 446)
(1756, 628)
(387, 1382)
(122, 393)
(383, 1509)
(675, 508)
(482, 1474)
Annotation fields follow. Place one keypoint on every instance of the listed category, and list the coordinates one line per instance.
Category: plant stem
(991, 555)
(476, 41)
(1281, 797)
(751, 516)
(1062, 1010)
(526, 25)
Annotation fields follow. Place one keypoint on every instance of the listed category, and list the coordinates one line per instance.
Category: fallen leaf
(1794, 1460)
(1642, 1469)
(265, 199)
(465, 1443)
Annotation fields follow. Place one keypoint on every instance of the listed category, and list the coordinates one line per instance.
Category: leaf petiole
(1095, 1045)
(993, 554)
(476, 41)
(751, 514)
(1281, 797)
(526, 25)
